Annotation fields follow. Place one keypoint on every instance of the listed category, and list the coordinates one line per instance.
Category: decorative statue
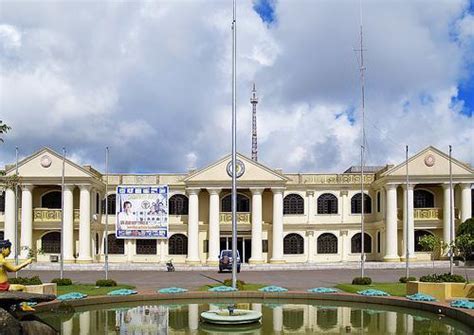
(6, 266)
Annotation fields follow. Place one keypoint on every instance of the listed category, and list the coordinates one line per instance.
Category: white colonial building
(282, 217)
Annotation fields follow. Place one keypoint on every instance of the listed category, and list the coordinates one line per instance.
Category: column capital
(410, 186)
(27, 187)
(465, 186)
(344, 193)
(277, 190)
(390, 186)
(446, 186)
(193, 190)
(256, 190)
(69, 187)
(309, 193)
(85, 187)
(214, 190)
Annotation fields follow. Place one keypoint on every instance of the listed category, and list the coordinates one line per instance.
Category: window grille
(178, 245)
(146, 247)
(356, 243)
(327, 204)
(327, 244)
(293, 244)
(179, 205)
(51, 243)
(356, 206)
(293, 204)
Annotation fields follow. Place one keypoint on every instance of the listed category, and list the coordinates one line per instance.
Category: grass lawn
(395, 289)
(90, 289)
(247, 287)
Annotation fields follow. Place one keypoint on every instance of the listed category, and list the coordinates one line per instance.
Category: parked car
(225, 260)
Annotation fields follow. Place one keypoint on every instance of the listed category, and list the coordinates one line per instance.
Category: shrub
(105, 283)
(443, 278)
(362, 281)
(26, 280)
(62, 282)
(406, 280)
(240, 283)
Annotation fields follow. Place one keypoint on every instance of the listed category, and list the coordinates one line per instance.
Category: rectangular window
(264, 245)
(378, 242)
(206, 246)
(378, 202)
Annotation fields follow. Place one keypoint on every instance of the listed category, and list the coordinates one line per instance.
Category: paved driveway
(292, 279)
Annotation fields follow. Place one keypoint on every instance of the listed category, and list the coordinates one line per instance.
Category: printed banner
(142, 212)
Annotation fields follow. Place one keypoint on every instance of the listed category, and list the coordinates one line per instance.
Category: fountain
(231, 316)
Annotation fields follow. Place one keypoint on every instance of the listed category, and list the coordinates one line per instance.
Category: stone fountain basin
(223, 317)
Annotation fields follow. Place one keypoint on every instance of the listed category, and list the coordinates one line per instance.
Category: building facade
(282, 217)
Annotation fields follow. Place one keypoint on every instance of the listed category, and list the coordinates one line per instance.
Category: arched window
(243, 203)
(178, 205)
(327, 204)
(146, 247)
(51, 243)
(423, 199)
(293, 244)
(293, 204)
(356, 201)
(327, 244)
(356, 243)
(2, 201)
(178, 244)
(293, 319)
(418, 235)
(97, 246)
(379, 205)
(2, 235)
(97, 203)
(51, 200)
(111, 202)
(116, 246)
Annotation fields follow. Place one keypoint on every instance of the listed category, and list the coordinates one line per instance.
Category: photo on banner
(142, 212)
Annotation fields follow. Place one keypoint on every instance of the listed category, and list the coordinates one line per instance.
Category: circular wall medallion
(240, 167)
(429, 160)
(46, 161)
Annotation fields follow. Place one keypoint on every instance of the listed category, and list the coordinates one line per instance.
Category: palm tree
(4, 128)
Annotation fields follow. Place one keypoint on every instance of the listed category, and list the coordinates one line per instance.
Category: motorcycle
(170, 266)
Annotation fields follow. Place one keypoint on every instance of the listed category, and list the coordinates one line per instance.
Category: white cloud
(152, 81)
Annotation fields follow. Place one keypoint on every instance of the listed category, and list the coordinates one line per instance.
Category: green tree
(465, 239)
(433, 244)
(4, 128)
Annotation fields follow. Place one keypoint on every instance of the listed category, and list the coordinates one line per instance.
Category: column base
(193, 262)
(277, 261)
(391, 259)
(212, 262)
(256, 261)
(84, 261)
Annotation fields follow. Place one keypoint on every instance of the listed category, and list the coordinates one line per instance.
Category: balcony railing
(421, 214)
(225, 217)
(50, 215)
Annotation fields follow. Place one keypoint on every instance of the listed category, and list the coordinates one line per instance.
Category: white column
(446, 214)
(68, 233)
(9, 228)
(343, 235)
(26, 236)
(163, 251)
(257, 256)
(311, 245)
(131, 249)
(193, 317)
(310, 196)
(408, 222)
(277, 226)
(193, 226)
(466, 202)
(277, 314)
(85, 225)
(344, 207)
(214, 231)
(391, 225)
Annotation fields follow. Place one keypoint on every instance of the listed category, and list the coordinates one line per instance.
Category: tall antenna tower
(254, 102)
(362, 146)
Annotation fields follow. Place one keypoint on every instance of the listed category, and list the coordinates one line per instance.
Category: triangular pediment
(430, 162)
(48, 163)
(254, 172)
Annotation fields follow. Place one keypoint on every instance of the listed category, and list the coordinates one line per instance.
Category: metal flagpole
(106, 247)
(407, 249)
(234, 151)
(362, 223)
(16, 210)
(451, 213)
(61, 261)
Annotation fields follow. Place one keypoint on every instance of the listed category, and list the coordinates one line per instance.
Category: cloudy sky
(152, 80)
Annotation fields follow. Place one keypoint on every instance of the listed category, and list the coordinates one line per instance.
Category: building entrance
(244, 246)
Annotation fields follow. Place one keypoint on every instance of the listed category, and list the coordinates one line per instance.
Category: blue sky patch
(266, 10)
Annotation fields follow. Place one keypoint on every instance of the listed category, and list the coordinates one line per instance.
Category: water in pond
(279, 317)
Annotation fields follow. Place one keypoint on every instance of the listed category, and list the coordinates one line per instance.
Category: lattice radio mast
(254, 102)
